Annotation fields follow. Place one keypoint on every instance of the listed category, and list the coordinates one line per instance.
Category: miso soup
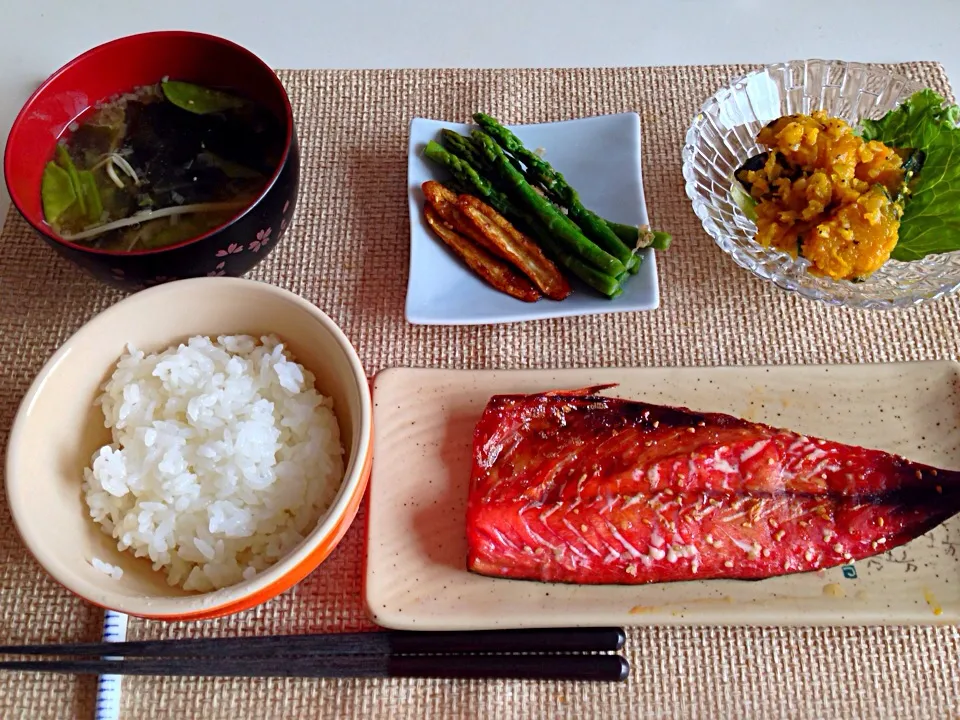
(159, 165)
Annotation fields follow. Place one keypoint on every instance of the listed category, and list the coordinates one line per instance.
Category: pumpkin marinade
(826, 194)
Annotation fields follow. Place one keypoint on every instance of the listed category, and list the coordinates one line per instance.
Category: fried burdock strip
(493, 270)
(515, 247)
(444, 201)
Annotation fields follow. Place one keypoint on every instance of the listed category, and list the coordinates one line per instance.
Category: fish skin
(575, 487)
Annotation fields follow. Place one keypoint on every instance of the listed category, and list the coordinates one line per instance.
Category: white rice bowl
(224, 458)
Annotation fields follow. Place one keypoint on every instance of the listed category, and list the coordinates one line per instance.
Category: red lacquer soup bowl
(115, 68)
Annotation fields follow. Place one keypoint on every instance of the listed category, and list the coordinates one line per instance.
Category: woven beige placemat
(347, 252)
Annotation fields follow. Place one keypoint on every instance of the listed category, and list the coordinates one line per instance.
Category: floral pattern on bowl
(231, 249)
(263, 237)
(723, 135)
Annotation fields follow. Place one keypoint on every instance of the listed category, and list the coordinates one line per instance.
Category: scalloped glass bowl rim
(736, 247)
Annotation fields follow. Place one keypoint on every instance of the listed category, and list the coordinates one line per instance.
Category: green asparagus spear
(564, 230)
(460, 169)
(595, 228)
(469, 152)
(624, 233)
(559, 190)
(633, 262)
(467, 180)
(464, 149)
(630, 234)
(600, 281)
(627, 233)
(661, 240)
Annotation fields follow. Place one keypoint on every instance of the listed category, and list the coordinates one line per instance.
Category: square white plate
(599, 156)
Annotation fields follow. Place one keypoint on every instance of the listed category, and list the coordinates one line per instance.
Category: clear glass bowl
(723, 136)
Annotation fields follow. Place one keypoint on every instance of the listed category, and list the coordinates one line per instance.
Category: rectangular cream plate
(416, 576)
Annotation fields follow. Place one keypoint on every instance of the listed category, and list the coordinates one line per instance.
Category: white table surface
(38, 36)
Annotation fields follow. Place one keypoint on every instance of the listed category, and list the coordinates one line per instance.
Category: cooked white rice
(224, 457)
(107, 569)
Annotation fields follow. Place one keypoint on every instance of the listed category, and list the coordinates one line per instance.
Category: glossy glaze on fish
(580, 488)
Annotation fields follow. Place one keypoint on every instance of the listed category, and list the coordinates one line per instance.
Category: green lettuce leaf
(743, 200)
(931, 218)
